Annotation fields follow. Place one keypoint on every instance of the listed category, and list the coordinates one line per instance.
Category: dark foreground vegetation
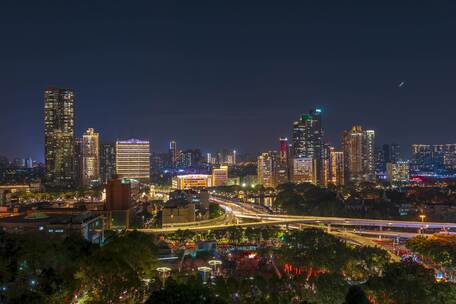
(258, 266)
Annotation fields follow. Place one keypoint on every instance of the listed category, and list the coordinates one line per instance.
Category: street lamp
(422, 217)
(204, 270)
(164, 274)
(215, 264)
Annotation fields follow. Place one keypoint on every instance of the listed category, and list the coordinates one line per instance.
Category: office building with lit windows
(307, 140)
(192, 181)
(133, 159)
(437, 159)
(265, 169)
(359, 153)
(173, 153)
(398, 171)
(219, 176)
(90, 158)
(333, 166)
(303, 170)
(59, 137)
(107, 162)
(281, 166)
(336, 176)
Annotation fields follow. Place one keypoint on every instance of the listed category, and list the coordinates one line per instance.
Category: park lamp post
(215, 264)
(164, 273)
(422, 217)
(204, 270)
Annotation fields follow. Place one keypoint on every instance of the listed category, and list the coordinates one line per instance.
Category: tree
(405, 282)
(119, 268)
(313, 250)
(183, 293)
(356, 295)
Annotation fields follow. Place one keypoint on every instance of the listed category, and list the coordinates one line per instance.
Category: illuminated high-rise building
(283, 149)
(281, 166)
(433, 158)
(304, 170)
(173, 153)
(369, 154)
(59, 137)
(190, 158)
(90, 158)
(107, 162)
(265, 169)
(219, 176)
(77, 162)
(398, 171)
(307, 140)
(334, 167)
(133, 159)
(359, 153)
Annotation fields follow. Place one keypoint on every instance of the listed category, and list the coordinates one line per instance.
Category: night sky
(227, 74)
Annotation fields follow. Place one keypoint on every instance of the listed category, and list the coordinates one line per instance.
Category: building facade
(308, 140)
(173, 153)
(265, 169)
(433, 158)
(59, 137)
(90, 158)
(398, 171)
(133, 159)
(333, 166)
(107, 162)
(359, 153)
(192, 181)
(219, 176)
(304, 170)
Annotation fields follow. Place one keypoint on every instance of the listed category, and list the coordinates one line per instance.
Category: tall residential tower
(90, 158)
(59, 137)
(307, 140)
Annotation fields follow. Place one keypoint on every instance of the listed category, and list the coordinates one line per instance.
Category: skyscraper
(107, 162)
(133, 159)
(398, 171)
(304, 169)
(307, 139)
(369, 154)
(283, 148)
(265, 169)
(59, 137)
(77, 162)
(90, 158)
(333, 165)
(337, 168)
(191, 158)
(433, 158)
(359, 153)
(395, 153)
(281, 166)
(173, 153)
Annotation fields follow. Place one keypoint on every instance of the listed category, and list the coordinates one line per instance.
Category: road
(238, 213)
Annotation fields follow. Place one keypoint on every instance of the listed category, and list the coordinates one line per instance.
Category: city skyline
(247, 75)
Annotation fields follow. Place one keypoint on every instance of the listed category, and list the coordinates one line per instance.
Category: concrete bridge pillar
(329, 228)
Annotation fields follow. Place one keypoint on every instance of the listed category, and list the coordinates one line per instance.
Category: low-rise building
(192, 181)
(178, 211)
(87, 224)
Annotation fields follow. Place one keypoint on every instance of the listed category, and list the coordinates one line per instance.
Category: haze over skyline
(234, 75)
